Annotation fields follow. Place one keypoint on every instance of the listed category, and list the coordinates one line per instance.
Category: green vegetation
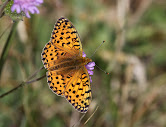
(134, 53)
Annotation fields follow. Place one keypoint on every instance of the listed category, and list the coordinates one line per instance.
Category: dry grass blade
(91, 115)
(6, 47)
(149, 98)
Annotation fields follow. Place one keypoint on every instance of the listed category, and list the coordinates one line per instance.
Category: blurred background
(133, 95)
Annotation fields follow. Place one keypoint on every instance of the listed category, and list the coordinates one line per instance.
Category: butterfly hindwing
(78, 92)
(75, 86)
(58, 81)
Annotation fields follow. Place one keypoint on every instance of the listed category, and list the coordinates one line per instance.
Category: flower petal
(90, 79)
(27, 14)
(39, 1)
(26, 6)
(90, 72)
(83, 54)
(16, 7)
(33, 10)
(89, 66)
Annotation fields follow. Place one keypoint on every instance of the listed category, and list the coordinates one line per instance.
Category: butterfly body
(67, 75)
(73, 63)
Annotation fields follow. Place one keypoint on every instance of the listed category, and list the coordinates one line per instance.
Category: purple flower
(89, 66)
(26, 6)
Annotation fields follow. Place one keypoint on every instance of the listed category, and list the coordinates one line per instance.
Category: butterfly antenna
(102, 70)
(97, 49)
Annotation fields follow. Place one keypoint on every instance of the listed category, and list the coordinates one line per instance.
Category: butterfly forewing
(66, 37)
(51, 54)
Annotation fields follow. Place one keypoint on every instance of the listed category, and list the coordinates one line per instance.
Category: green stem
(6, 47)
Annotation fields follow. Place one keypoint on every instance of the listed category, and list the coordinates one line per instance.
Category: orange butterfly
(68, 68)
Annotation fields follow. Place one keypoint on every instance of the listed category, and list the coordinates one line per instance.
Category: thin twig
(10, 91)
(34, 74)
(29, 82)
(26, 82)
(20, 85)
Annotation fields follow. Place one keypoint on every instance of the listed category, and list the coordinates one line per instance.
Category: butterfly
(68, 67)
